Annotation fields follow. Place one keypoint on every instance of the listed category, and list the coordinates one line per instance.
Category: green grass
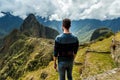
(117, 37)
(51, 72)
(36, 52)
(97, 63)
(102, 46)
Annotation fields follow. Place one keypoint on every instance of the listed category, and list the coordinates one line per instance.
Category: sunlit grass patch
(117, 37)
(97, 63)
(102, 46)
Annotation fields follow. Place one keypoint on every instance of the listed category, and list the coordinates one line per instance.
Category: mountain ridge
(92, 24)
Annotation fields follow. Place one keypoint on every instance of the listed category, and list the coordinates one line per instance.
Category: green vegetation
(117, 36)
(25, 55)
(31, 58)
(98, 58)
(101, 46)
(97, 63)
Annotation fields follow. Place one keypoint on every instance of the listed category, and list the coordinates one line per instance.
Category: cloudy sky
(59, 9)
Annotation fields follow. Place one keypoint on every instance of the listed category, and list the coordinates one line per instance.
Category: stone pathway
(108, 75)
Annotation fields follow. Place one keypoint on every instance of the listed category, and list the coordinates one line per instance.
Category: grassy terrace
(97, 63)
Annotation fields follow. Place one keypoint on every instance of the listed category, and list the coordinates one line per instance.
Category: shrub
(33, 65)
(43, 75)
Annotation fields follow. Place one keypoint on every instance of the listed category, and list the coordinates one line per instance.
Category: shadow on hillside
(78, 63)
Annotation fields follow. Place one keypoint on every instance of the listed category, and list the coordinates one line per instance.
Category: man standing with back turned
(65, 49)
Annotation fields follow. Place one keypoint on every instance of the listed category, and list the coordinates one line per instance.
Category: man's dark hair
(66, 23)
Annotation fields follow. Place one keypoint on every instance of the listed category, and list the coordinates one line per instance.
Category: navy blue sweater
(66, 45)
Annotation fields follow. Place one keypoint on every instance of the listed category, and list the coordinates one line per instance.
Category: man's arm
(55, 54)
(76, 48)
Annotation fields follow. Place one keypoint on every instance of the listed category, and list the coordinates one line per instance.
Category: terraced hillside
(24, 56)
(99, 64)
(91, 60)
(31, 59)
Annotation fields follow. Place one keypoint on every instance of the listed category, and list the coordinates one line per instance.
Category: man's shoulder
(58, 37)
(63, 37)
(73, 35)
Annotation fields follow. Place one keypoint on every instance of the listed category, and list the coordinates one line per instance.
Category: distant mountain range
(82, 28)
(8, 23)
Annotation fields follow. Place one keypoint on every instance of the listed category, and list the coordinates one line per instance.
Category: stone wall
(115, 52)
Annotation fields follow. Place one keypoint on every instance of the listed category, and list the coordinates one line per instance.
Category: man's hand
(55, 66)
(74, 56)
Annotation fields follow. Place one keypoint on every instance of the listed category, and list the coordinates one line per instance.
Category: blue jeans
(63, 67)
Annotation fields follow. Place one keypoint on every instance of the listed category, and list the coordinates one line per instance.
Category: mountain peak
(31, 18)
(31, 15)
(31, 27)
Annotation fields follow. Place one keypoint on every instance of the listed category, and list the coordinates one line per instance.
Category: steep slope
(21, 53)
(84, 34)
(1, 42)
(31, 27)
(24, 56)
(52, 24)
(2, 33)
(10, 39)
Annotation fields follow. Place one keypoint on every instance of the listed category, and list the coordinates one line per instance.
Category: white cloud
(1, 14)
(59, 9)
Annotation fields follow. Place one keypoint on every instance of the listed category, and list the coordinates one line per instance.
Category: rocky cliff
(115, 48)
